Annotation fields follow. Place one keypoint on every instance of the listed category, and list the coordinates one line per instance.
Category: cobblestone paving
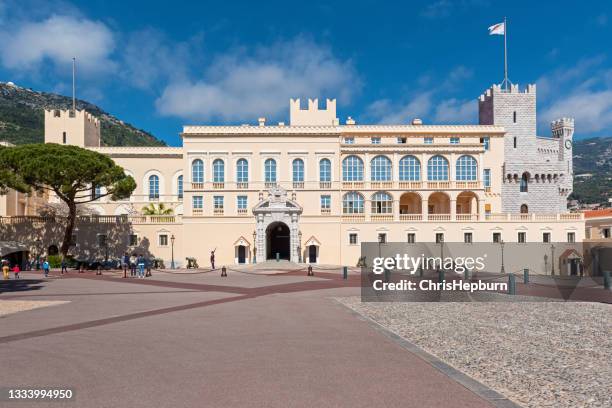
(14, 306)
(537, 354)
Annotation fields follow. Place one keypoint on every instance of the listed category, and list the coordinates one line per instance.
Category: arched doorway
(278, 240)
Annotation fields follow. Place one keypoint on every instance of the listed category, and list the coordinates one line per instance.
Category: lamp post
(254, 247)
(552, 259)
(503, 267)
(442, 252)
(172, 238)
(545, 263)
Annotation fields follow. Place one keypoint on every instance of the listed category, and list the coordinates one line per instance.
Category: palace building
(313, 189)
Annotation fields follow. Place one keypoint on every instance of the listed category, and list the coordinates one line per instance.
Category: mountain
(593, 170)
(22, 118)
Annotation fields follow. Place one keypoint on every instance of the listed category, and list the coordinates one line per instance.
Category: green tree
(159, 209)
(67, 171)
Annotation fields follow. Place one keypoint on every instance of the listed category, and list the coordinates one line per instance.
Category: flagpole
(505, 54)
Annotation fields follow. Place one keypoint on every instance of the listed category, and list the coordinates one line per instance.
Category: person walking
(5, 270)
(16, 271)
(64, 266)
(125, 263)
(141, 266)
(212, 258)
(133, 262)
(46, 267)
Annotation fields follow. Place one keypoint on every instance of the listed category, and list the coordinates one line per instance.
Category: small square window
(522, 237)
(375, 140)
(401, 140)
(198, 202)
(439, 238)
(467, 237)
(605, 232)
(454, 140)
(325, 202)
(571, 237)
(163, 240)
(496, 237)
(133, 238)
(546, 237)
(411, 238)
(242, 202)
(382, 238)
(428, 140)
(218, 202)
(485, 142)
(353, 239)
(349, 140)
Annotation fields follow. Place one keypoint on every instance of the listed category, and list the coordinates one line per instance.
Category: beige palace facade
(314, 189)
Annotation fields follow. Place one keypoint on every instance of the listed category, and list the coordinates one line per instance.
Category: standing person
(133, 262)
(141, 266)
(64, 265)
(16, 271)
(5, 270)
(46, 267)
(126, 263)
(212, 258)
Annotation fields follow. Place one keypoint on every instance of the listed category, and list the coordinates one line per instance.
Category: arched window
(325, 170)
(466, 169)
(524, 209)
(179, 186)
(298, 170)
(352, 203)
(524, 186)
(409, 169)
(218, 171)
(242, 171)
(197, 171)
(153, 186)
(270, 171)
(437, 169)
(380, 169)
(352, 169)
(382, 203)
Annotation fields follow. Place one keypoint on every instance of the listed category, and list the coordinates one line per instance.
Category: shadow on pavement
(20, 285)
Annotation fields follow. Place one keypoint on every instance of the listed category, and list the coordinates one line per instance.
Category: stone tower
(78, 128)
(538, 174)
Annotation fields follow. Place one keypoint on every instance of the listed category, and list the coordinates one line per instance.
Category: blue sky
(211, 62)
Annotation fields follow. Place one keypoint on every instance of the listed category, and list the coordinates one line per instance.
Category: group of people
(6, 269)
(136, 264)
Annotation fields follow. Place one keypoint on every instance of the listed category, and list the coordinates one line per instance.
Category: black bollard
(223, 271)
(606, 280)
(310, 272)
(511, 284)
(345, 272)
(526, 275)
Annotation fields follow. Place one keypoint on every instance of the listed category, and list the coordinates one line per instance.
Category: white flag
(497, 29)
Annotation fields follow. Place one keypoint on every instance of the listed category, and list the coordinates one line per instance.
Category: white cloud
(243, 85)
(583, 92)
(452, 110)
(386, 112)
(57, 39)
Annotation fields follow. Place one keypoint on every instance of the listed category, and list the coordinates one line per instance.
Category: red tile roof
(605, 212)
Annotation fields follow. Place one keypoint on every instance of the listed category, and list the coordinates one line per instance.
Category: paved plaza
(258, 337)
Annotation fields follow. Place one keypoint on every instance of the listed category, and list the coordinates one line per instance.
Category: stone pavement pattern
(244, 340)
(549, 354)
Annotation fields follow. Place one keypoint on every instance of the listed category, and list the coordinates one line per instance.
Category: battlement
(312, 116)
(562, 123)
(514, 89)
(52, 114)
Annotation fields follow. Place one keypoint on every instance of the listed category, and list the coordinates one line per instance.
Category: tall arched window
(242, 171)
(352, 169)
(467, 169)
(298, 170)
(380, 169)
(218, 171)
(153, 186)
(409, 169)
(524, 209)
(382, 203)
(197, 171)
(437, 169)
(352, 203)
(270, 171)
(179, 186)
(325, 170)
(524, 186)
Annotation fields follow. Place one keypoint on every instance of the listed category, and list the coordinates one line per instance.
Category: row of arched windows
(353, 203)
(410, 169)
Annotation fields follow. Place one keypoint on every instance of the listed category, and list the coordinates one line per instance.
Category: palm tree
(159, 209)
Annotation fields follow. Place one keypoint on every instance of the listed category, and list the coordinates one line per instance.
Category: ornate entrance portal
(277, 228)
